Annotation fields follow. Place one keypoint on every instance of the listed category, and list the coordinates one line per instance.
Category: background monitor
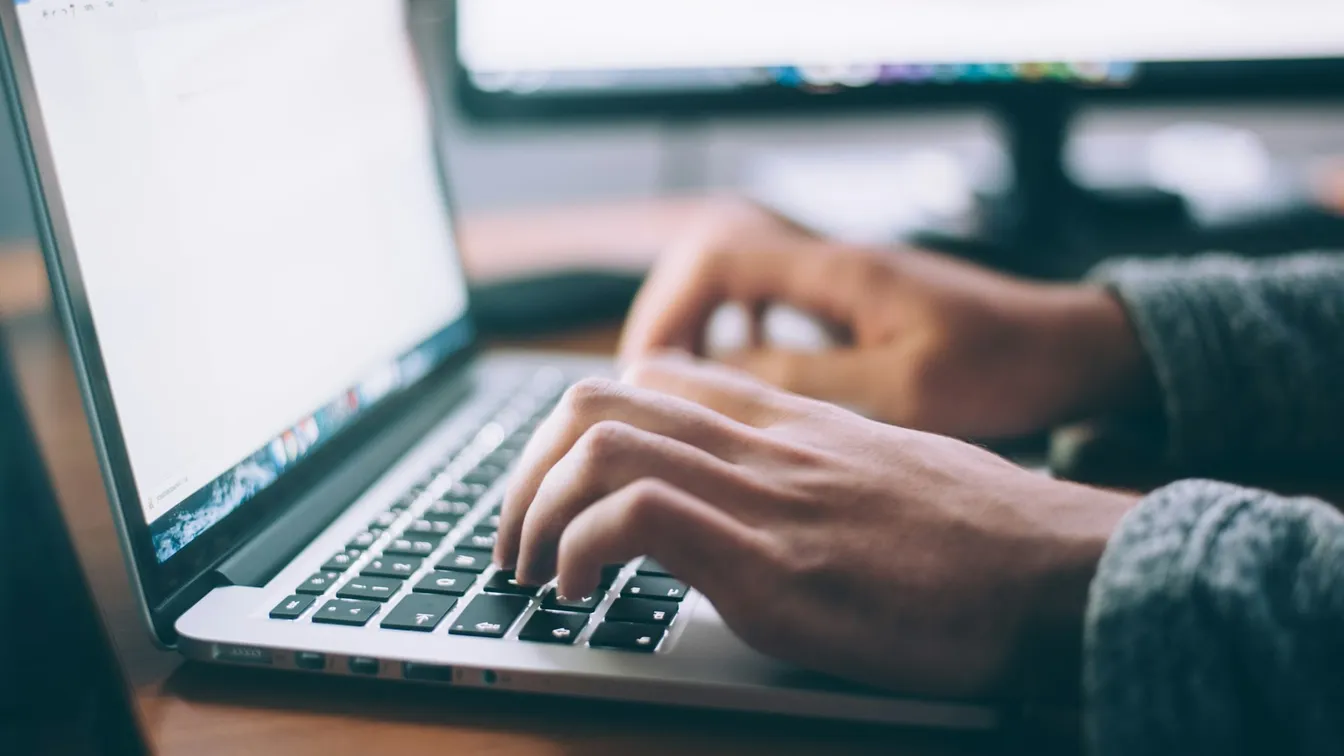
(556, 57)
(1031, 62)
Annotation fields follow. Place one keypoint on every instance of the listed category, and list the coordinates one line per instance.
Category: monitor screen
(255, 204)
(557, 47)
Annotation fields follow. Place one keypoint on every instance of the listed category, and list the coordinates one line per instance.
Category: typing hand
(884, 555)
(929, 342)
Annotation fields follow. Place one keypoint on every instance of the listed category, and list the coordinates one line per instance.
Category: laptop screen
(258, 217)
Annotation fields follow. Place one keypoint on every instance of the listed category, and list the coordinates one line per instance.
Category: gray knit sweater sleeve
(1216, 620)
(1216, 625)
(1249, 355)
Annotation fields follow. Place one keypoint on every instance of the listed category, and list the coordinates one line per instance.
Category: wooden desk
(197, 709)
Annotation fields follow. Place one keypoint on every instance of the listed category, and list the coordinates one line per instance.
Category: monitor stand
(1046, 225)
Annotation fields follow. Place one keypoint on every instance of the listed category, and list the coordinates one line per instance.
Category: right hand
(931, 342)
(892, 557)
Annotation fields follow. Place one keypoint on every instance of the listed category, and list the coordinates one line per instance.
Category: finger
(675, 304)
(697, 542)
(842, 376)
(727, 391)
(610, 456)
(587, 404)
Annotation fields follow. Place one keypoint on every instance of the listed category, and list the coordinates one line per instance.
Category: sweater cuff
(1213, 625)
(1176, 311)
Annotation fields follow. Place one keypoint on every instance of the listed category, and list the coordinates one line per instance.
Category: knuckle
(586, 396)
(645, 501)
(702, 264)
(601, 444)
(703, 250)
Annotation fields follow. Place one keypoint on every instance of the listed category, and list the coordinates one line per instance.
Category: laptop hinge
(266, 553)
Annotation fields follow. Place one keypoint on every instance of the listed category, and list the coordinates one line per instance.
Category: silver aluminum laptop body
(216, 605)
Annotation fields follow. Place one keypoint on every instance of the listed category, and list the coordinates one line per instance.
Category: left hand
(883, 555)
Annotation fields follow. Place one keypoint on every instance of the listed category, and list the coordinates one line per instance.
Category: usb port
(426, 672)
(363, 665)
(310, 660)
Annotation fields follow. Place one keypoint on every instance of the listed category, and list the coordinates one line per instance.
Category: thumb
(841, 376)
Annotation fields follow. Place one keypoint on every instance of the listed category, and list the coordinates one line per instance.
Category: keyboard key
(318, 583)
(369, 588)
(553, 627)
(342, 612)
(480, 540)
(420, 612)
(445, 583)
(584, 604)
(489, 616)
(392, 567)
(464, 491)
(650, 567)
(484, 475)
(666, 589)
(363, 540)
(449, 509)
(648, 611)
(341, 561)
(501, 457)
(423, 527)
(291, 607)
(404, 503)
(503, 582)
(466, 560)
(491, 522)
(411, 547)
(609, 575)
(628, 636)
(385, 519)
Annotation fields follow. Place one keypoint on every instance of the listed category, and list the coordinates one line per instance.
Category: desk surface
(198, 709)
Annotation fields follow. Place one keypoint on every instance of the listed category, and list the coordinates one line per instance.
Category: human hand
(929, 342)
(883, 555)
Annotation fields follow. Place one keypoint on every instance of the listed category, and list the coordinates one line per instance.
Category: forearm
(1215, 624)
(1247, 356)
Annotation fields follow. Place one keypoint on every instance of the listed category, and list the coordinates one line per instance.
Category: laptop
(62, 691)
(244, 212)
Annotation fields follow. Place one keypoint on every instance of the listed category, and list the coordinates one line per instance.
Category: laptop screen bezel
(165, 589)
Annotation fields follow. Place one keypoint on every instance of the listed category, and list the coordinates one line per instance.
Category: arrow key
(420, 612)
(553, 627)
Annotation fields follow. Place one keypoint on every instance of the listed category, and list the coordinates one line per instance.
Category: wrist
(1076, 524)
(1101, 364)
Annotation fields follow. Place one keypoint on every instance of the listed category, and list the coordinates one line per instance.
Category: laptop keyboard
(424, 564)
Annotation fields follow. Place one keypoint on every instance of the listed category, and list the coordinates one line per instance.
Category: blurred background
(1252, 151)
